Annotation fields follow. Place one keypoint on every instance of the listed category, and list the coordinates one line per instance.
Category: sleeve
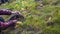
(4, 26)
(5, 12)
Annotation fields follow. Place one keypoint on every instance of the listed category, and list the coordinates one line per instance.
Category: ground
(41, 17)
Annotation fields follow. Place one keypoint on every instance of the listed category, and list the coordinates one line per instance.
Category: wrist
(15, 13)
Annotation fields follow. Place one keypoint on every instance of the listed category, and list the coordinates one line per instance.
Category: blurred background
(41, 16)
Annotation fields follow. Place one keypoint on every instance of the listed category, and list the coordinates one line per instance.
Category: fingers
(18, 23)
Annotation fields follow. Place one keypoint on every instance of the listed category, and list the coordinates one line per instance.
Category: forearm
(5, 12)
(8, 24)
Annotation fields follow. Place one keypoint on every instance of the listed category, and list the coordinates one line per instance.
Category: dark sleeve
(4, 26)
(5, 12)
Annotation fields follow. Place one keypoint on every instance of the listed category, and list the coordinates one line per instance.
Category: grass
(36, 19)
